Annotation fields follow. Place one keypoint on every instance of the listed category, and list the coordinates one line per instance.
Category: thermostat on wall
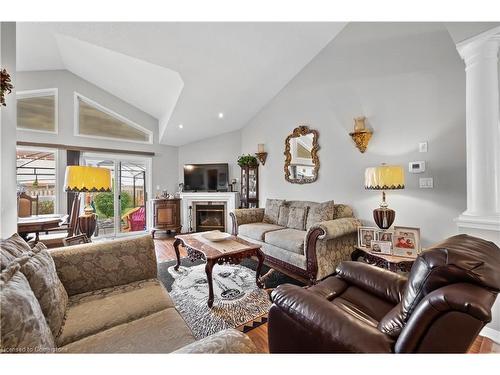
(416, 166)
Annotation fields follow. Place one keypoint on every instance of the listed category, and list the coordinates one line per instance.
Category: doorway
(122, 211)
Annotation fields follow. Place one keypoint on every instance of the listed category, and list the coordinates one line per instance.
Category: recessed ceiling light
(181, 126)
(221, 115)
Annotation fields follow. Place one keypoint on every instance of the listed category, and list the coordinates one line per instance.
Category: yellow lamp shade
(87, 179)
(385, 177)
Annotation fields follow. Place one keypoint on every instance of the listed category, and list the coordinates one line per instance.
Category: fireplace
(209, 216)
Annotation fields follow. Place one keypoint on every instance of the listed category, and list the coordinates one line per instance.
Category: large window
(36, 176)
(94, 120)
(37, 110)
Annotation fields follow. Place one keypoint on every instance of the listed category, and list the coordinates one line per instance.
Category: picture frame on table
(406, 241)
(384, 235)
(365, 236)
(381, 247)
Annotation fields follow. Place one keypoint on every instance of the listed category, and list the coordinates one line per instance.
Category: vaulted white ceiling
(179, 73)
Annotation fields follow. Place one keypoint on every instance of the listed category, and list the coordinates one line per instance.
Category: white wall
(165, 164)
(8, 115)
(409, 82)
(224, 148)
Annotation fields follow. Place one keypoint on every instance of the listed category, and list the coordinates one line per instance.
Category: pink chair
(137, 220)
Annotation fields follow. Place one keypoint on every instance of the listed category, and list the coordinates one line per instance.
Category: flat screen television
(206, 177)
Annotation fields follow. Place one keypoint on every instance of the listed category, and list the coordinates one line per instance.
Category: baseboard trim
(491, 333)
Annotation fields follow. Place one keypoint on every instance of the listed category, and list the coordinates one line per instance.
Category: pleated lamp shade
(385, 177)
(87, 179)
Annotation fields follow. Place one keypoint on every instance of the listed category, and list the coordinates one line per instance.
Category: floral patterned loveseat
(94, 298)
(305, 239)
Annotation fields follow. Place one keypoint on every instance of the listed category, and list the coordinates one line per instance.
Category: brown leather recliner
(440, 308)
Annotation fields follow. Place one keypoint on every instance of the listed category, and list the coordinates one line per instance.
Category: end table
(390, 262)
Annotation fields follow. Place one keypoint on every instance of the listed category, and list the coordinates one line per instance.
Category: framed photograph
(384, 235)
(406, 241)
(381, 247)
(365, 236)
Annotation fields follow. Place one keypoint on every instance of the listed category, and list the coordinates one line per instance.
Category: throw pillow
(271, 212)
(40, 271)
(320, 212)
(283, 215)
(12, 248)
(297, 218)
(342, 210)
(23, 326)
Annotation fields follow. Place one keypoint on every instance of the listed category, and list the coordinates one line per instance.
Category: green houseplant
(104, 203)
(247, 160)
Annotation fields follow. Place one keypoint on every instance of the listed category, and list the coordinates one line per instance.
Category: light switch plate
(426, 182)
(422, 147)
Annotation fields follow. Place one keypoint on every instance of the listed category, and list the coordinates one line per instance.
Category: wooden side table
(390, 262)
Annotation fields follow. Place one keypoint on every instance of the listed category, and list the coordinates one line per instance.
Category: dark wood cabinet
(166, 215)
(249, 196)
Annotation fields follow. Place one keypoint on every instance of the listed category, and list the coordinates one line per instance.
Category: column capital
(482, 46)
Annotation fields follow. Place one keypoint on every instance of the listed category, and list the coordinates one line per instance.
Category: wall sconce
(361, 135)
(261, 154)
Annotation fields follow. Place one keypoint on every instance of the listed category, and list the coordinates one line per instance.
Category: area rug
(238, 303)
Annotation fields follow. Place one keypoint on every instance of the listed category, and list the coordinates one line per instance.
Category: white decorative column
(482, 216)
(8, 121)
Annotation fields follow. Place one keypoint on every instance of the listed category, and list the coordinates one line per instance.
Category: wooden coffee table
(232, 251)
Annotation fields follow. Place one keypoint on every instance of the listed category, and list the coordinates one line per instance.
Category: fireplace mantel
(231, 199)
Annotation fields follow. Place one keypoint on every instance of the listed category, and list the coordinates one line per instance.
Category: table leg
(177, 253)
(393, 267)
(208, 270)
(260, 256)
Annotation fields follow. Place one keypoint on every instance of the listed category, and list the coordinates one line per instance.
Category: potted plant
(5, 86)
(247, 161)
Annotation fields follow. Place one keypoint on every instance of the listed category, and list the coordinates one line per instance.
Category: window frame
(109, 112)
(27, 94)
(57, 175)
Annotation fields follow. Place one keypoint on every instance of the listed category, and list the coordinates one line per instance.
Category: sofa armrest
(383, 283)
(336, 228)
(328, 243)
(242, 216)
(229, 341)
(303, 322)
(93, 266)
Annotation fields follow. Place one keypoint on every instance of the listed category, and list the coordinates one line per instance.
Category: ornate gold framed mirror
(301, 156)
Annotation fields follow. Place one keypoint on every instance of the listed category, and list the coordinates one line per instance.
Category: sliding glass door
(123, 210)
(132, 196)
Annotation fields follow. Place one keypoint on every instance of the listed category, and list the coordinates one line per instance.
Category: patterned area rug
(238, 303)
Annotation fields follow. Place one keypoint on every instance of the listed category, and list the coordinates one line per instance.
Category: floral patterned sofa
(94, 298)
(304, 239)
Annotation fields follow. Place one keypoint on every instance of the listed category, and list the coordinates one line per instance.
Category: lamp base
(87, 224)
(384, 217)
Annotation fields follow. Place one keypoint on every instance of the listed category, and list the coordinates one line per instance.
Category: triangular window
(95, 120)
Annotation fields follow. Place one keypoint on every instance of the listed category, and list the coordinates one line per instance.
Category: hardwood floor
(165, 251)
(164, 247)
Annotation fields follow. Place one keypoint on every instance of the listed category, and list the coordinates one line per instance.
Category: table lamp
(384, 177)
(82, 179)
